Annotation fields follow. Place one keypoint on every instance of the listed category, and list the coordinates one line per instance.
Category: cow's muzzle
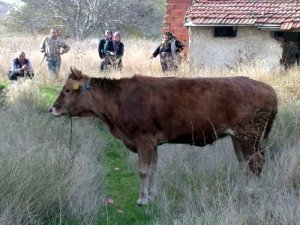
(55, 112)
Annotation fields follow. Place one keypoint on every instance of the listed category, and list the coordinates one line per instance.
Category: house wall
(248, 47)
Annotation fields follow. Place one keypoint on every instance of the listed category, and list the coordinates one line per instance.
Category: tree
(81, 18)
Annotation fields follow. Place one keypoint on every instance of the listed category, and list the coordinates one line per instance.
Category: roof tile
(284, 13)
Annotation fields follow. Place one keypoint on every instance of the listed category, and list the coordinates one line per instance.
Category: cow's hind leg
(239, 154)
(248, 137)
(146, 154)
(253, 155)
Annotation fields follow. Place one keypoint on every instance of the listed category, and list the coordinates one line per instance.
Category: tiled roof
(283, 14)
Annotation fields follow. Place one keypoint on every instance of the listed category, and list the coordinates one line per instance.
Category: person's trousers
(53, 66)
(16, 75)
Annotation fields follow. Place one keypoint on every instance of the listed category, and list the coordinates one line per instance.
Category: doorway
(291, 47)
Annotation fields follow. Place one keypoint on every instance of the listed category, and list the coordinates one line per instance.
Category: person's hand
(24, 67)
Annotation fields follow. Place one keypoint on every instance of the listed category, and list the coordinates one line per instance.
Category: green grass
(2, 85)
(50, 93)
(123, 188)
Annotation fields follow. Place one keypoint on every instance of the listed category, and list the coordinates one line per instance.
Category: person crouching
(20, 67)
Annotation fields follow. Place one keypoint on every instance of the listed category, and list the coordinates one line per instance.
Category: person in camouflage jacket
(53, 47)
(169, 50)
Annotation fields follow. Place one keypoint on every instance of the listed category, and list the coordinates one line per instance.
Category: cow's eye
(67, 90)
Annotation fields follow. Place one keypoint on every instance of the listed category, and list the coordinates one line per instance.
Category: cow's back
(182, 109)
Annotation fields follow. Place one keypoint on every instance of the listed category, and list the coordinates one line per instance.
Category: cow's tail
(270, 123)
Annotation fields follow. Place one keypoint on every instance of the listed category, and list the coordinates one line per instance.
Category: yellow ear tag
(76, 87)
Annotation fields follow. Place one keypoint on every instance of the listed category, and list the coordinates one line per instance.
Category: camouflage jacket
(53, 48)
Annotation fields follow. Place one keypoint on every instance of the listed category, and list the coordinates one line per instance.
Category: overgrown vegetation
(197, 185)
(39, 180)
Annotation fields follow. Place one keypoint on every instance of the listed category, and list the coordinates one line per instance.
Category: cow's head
(72, 99)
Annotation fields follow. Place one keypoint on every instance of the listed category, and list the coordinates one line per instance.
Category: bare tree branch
(81, 18)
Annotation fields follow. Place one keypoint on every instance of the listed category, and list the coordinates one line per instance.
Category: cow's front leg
(152, 178)
(145, 155)
(144, 197)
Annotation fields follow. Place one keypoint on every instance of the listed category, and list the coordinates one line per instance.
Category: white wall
(250, 46)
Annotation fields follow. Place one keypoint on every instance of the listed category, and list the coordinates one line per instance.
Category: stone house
(226, 33)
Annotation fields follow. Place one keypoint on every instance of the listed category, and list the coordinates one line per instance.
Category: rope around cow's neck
(71, 129)
(70, 138)
(87, 87)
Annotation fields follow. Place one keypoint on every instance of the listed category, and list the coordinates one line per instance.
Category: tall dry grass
(204, 186)
(197, 185)
(38, 179)
(83, 55)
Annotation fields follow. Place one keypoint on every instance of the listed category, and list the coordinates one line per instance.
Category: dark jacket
(167, 48)
(109, 47)
(16, 66)
(16, 71)
(18, 63)
(101, 47)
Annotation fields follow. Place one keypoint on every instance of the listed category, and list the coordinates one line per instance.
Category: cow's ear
(76, 87)
(75, 73)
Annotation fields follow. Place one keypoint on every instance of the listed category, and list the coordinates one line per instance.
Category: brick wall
(174, 20)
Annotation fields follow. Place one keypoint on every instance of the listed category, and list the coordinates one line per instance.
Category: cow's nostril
(50, 110)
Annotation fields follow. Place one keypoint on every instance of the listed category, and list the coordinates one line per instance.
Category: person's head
(53, 33)
(168, 35)
(21, 56)
(108, 34)
(117, 37)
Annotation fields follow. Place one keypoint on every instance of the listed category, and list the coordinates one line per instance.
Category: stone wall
(251, 47)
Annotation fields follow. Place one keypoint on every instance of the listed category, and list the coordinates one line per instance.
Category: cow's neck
(106, 95)
(110, 87)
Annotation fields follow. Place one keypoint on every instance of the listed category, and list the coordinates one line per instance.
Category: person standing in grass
(107, 37)
(114, 49)
(54, 47)
(169, 51)
(20, 67)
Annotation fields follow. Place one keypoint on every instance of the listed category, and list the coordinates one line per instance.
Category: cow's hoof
(143, 201)
(152, 195)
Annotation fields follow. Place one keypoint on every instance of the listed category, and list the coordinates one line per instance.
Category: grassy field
(41, 184)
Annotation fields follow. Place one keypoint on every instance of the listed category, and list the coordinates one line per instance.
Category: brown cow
(144, 112)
